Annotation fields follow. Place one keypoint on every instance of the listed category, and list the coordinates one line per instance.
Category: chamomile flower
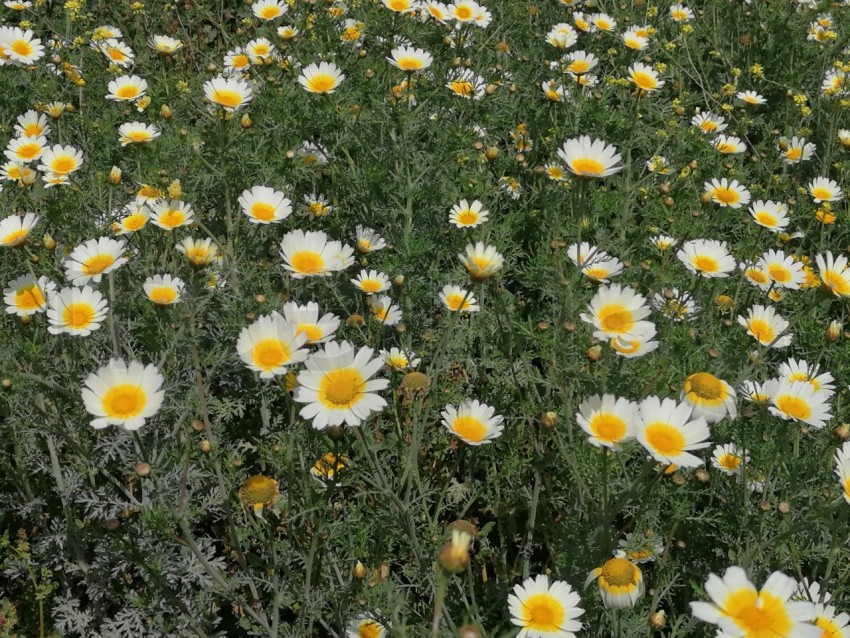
(707, 258)
(323, 78)
(608, 420)
(117, 52)
(164, 44)
(770, 215)
(123, 395)
(260, 50)
(308, 254)
(32, 124)
(481, 261)
(603, 22)
(230, 93)
(601, 270)
(21, 47)
(236, 61)
(15, 229)
(126, 88)
(750, 98)
(473, 422)
(465, 83)
(823, 189)
(588, 157)
(668, 432)
(833, 272)
(367, 240)
(137, 133)
(169, 215)
(383, 308)
(783, 270)
(562, 36)
(25, 149)
(269, 9)
(435, 10)
(76, 311)
(729, 459)
(456, 299)
(94, 258)
(410, 59)
(766, 326)
(755, 274)
(658, 164)
(135, 218)
(617, 311)
(739, 609)
(164, 290)
(620, 582)
(401, 6)
(26, 295)
(707, 122)
(800, 371)
(264, 205)
(468, 215)
(634, 41)
(544, 609)
(680, 13)
(753, 392)
(271, 345)
(579, 62)
(727, 193)
(199, 252)
(798, 401)
(644, 77)
(728, 145)
(676, 305)
(398, 359)
(307, 321)
(61, 160)
(367, 625)
(710, 397)
(371, 282)
(663, 242)
(830, 622)
(635, 345)
(337, 388)
(796, 151)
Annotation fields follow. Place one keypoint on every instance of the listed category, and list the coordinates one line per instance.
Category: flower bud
(359, 571)
(175, 190)
(335, 433)
(658, 620)
(593, 353)
(165, 112)
(143, 469)
(833, 331)
(468, 631)
(48, 242)
(205, 446)
(549, 419)
(399, 280)
(492, 153)
(843, 431)
(245, 121)
(142, 103)
(115, 176)
(454, 555)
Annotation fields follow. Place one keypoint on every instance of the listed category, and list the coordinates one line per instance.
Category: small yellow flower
(259, 491)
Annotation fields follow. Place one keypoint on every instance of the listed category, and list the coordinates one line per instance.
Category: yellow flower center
(596, 273)
(369, 629)
(270, 12)
(163, 295)
(665, 439)
(836, 283)
(705, 263)
(463, 89)
(140, 135)
(587, 166)
(756, 275)
(467, 217)
(22, 48)
(730, 461)
(29, 298)
(124, 401)
(172, 218)
(456, 302)
(371, 285)
(578, 67)
(779, 273)
(619, 572)
(227, 97)
(16, 237)
(469, 428)
(97, 264)
(127, 92)
(759, 615)
(321, 83)
(794, 153)
(263, 211)
(33, 130)
(116, 55)
(29, 150)
(708, 126)
(821, 193)
(134, 222)
(340, 389)
(607, 427)
(409, 64)
(313, 332)
(766, 219)
(463, 12)
(270, 354)
(78, 315)
(308, 262)
(615, 318)
(543, 612)
(794, 406)
(240, 61)
(726, 195)
(705, 386)
(63, 164)
(761, 330)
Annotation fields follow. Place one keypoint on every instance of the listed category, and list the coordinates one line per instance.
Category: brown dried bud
(355, 320)
(702, 476)
(664, 188)
(490, 89)
(842, 431)
(198, 425)
(764, 506)
(658, 620)
(260, 299)
(681, 544)
(468, 631)
(680, 111)
(7, 383)
(569, 326)
(593, 353)
(112, 524)
(335, 432)
(492, 153)
(205, 446)
(143, 469)
(833, 331)
(543, 325)
(669, 201)
(745, 40)
(784, 507)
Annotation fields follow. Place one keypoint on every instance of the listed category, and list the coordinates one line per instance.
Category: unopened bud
(48, 242)
(454, 555)
(399, 280)
(198, 425)
(680, 111)
(593, 353)
(165, 112)
(784, 507)
(6, 383)
(143, 469)
(359, 571)
(492, 153)
(702, 476)
(549, 419)
(205, 446)
(175, 190)
(468, 631)
(842, 431)
(658, 620)
(490, 89)
(834, 331)
(115, 176)
(354, 320)
(335, 432)
(245, 121)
